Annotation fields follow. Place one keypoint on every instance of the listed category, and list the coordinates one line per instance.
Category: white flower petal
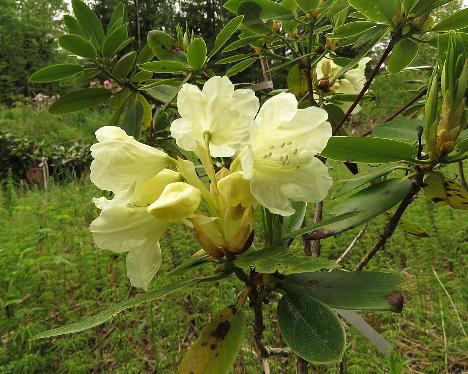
(276, 111)
(121, 229)
(142, 264)
(112, 133)
(311, 182)
(223, 114)
(118, 164)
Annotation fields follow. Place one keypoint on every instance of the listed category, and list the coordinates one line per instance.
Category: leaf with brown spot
(216, 349)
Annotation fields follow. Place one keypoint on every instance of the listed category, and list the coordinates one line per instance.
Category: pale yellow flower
(218, 114)
(280, 162)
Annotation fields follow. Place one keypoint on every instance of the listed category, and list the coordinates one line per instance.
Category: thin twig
(444, 333)
(420, 94)
(366, 86)
(315, 244)
(390, 227)
(353, 243)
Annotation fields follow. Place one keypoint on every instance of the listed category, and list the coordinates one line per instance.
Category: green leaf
(77, 45)
(365, 149)
(242, 43)
(353, 28)
(194, 262)
(224, 35)
(282, 260)
(294, 222)
(141, 76)
(402, 55)
(404, 129)
(427, 5)
(253, 21)
(268, 9)
(116, 17)
(109, 313)
(89, 22)
(133, 117)
(458, 20)
(310, 328)
(163, 45)
(164, 66)
(459, 153)
(348, 290)
(234, 58)
(374, 195)
(163, 93)
(307, 5)
(114, 41)
(241, 66)
(408, 5)
(196, 53)
(444, 191)
(145, 55)
(72, 25)
(409, 227)
(55, 73)
(297, 81)
(387, 199)
(370, 9)
(124, 65)
(363, 178)
(80, 99)
(217, 346)
(120, 98)
(389, 8)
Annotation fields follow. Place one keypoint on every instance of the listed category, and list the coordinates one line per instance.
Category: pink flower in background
(107, 84)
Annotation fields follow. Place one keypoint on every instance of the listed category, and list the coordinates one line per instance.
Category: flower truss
(272, 163)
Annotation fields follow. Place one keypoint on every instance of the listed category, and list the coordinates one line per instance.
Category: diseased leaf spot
(221, 330)
(396, 300)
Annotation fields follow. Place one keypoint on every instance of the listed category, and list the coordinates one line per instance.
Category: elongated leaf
(458, 20)
(196, 53)
(224, 35)
(294, 222)
(369, 8)
(444, 191)
(241, 66)
(72, 25)
(124, 65)
(382, 345)
(459, 153)
(80, 99)
(242, 43)
(163, 45)
(408, 5)
(342, 222)
(145, 55)
(363, 178)
(109, 313)
(352, 28)
(133, 117)
(163, 93)
(55, 73)
(164, 66)
(89, 22)
(348, 290)
(194, 262)
(268, 9)
(231, 59)
(307, 5)
(364, 149)
(114, 40)
(282, 260)
(372, 196)
(404, 129)
(116, 17)
(402, 55)
(311, 329)
(78, 45)
(389, 8)
(218, 345)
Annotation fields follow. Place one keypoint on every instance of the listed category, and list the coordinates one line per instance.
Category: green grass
(52, 274)
(40, 125)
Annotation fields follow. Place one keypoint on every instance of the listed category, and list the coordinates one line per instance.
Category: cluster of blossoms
(272, 150)
(350, 83)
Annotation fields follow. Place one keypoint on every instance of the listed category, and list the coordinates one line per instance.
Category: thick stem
(390, 227)
(369, 81)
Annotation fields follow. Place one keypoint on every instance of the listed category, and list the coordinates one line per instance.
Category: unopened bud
(150, 191)
(235, 190)
(177, 201)
(276, 26)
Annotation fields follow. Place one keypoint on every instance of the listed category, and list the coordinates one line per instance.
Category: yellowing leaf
(217, 346)
(445, 191)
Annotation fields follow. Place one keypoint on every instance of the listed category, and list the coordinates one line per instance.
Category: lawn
(52, 274)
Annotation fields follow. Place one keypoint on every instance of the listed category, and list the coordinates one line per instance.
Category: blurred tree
(28, 33)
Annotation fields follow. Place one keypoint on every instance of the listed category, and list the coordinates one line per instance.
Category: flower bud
(209, 236)
(235, 190)
(177, 201)
(149, 191)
